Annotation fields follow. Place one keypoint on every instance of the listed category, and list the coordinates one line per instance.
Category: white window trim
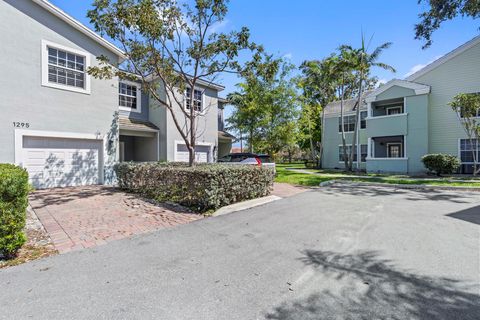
(45, 83)
(208, 144)
(387, 109)
(459, 155)
(360, 120)
(359, 146)
(139, 96)
(203, 100)
(394, 144)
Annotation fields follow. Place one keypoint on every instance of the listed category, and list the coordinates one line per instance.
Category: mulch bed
(38, 243)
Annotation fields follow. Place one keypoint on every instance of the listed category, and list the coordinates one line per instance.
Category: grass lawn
(305, 179)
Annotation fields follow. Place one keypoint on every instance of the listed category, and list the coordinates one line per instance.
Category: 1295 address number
(21, 124)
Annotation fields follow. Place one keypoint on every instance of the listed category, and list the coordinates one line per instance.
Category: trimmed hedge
(441, 163)
(202, 187)
(14, 190)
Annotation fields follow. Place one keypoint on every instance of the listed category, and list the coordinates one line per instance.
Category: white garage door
(59, 162)
(202, 153)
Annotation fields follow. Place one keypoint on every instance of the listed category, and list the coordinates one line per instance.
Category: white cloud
(288, 56)
(219, 25)
(382, 81)
(418, 67)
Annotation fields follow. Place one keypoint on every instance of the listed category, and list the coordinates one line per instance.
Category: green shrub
(441, 163)
(14, 190)
(202, 187)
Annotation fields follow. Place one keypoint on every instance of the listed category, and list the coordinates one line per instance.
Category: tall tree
(440, 11)
(363, 63)
(175, 45)
(248, 114)
(467, 107)
(265, 104)
(317, 85)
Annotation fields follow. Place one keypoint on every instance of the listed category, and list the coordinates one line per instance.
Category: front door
(394, 150)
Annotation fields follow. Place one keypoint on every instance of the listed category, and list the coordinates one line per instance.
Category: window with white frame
(469, 148)
(128, 98)
(394, 110)
(462, 113)
(349, 122)
(65, 68)
(394, 150)
(363, 153)
(197, 99)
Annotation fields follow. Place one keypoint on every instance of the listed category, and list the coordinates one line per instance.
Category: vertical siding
(459, 75)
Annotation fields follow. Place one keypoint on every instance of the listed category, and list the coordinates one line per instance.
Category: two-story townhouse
(69, 128)
(147, 131)
(57, 121)
(403, 120)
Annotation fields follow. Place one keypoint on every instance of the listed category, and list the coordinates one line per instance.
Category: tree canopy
(170, 47)
(265, 105)
(440, 11)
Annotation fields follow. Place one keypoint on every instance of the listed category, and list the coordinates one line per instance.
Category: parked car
(248, 158)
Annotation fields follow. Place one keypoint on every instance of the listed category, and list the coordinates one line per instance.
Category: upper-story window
(65, 68)
(388, 108)
(349, 122)
(394, 110)
(129, 96)
(197, 99)
(462, 113)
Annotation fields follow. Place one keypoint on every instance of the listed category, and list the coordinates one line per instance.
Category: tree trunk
(357, 122)
(312, 147)
(191, 150)
(344, 144)
(250, 144)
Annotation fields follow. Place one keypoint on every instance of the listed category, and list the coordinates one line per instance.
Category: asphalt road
(339, 253)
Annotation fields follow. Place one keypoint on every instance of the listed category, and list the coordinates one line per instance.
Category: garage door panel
(202, 153)
(58, 162)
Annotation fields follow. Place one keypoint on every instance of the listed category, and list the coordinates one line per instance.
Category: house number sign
(21, 124)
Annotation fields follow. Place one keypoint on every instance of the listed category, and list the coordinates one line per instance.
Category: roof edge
(59, 13)
(415, 86)
(450, 55)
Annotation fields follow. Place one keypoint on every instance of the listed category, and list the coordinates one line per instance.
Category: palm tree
(363, 63)
(345, 64)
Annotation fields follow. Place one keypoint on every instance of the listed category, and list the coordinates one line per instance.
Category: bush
(14, 190)
(202, 187)
(441, 163)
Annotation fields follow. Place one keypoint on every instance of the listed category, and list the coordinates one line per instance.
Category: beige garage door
(60, 162)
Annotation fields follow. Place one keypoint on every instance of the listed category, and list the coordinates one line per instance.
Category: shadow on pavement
(58, 196)
(413, 195)
(374, 289)
(470, 215)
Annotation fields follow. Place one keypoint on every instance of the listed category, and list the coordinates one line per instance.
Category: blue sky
(312, 29)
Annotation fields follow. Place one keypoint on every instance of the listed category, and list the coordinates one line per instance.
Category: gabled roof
(79, 26)
(349, 105)
(417, 87)
(452, 54)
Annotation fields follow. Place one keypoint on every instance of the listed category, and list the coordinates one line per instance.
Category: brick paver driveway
(82, 217)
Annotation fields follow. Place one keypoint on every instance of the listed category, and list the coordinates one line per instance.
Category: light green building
(403, 120)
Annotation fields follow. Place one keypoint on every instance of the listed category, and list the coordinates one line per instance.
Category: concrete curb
(244, 205)
(331, 183)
